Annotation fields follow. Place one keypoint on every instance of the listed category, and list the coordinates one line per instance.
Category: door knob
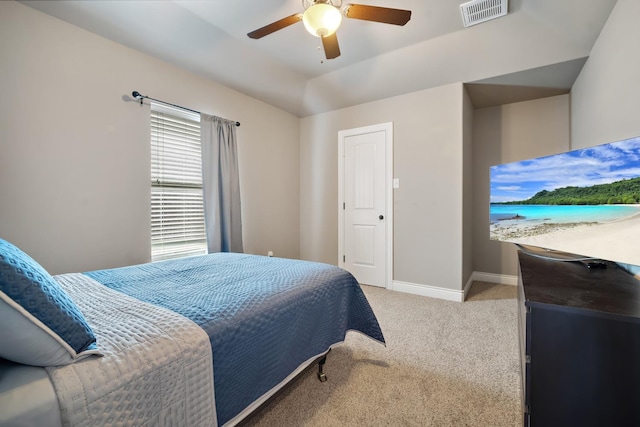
(381, 217)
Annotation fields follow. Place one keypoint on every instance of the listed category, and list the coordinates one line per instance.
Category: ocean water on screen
(562, 213)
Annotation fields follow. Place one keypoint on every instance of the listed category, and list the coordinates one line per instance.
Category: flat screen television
(584, 202)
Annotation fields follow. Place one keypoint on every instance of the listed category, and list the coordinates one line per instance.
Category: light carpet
(445, 364)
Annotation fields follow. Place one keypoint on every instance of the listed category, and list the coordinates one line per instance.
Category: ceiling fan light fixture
(322, 19)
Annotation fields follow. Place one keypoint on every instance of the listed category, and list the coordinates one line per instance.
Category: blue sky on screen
(601, 164)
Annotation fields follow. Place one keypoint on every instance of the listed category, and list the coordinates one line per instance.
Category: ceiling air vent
(477, 11)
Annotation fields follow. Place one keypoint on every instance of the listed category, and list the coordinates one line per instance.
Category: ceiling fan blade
(378, 14)
(275, 26)
(331, 47)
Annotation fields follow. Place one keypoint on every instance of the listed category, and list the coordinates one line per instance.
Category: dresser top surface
(571, 284)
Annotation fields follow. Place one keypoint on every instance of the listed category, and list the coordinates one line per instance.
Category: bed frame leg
(321, 375)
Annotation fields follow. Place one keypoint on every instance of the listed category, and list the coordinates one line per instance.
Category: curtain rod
(141, 97)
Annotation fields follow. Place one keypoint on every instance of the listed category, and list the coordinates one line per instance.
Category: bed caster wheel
(321, 376)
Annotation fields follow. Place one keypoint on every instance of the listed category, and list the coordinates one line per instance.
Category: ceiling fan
(323, 17)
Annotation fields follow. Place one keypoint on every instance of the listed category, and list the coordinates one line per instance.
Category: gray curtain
(221, 184)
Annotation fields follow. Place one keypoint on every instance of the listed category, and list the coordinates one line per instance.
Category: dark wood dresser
(579, 343)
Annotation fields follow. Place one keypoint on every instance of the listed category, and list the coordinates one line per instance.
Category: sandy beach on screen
(616, 241)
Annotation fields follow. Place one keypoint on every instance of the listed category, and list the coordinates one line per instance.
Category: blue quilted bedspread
(264, 316)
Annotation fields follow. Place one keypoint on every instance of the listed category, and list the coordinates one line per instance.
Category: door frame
(388, 179)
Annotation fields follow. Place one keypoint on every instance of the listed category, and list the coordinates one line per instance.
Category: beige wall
(605, 99)
(428, 161)
(74, 152)
(74, 149)
(504, 134)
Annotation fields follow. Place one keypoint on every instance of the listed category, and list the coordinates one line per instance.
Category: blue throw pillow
(40, 324)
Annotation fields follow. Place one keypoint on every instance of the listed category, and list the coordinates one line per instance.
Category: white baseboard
(467, 287)
(452, 294)
(501, 279)
(428, 291)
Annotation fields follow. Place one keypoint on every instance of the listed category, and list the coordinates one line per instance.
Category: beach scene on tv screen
(585, 202)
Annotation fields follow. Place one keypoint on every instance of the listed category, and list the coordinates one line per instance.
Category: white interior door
(365, 183)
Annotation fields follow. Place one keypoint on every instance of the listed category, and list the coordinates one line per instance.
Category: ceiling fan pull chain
(319, 48)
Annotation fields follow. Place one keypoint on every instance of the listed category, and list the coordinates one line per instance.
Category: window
(177, 211)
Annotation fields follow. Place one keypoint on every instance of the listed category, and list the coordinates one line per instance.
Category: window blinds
(177, 211)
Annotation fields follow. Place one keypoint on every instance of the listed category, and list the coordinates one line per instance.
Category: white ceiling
(540, 43)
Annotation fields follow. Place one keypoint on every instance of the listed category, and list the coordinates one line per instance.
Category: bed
(199, 341)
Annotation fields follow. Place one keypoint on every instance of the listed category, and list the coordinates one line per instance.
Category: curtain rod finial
(137, 95)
